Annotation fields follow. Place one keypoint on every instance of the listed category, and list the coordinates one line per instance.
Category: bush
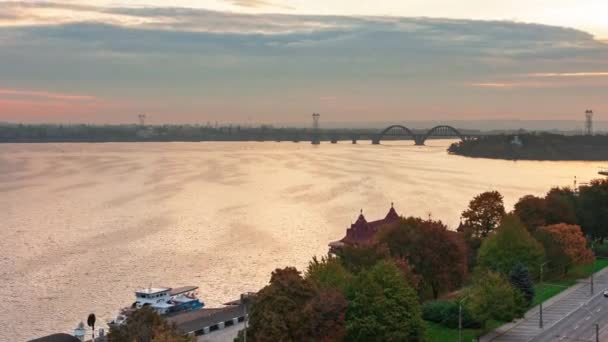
(446, 313)
(436, 310)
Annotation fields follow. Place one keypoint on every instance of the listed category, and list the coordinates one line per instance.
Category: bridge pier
(375, 141)
(354, 140)
(334, 141)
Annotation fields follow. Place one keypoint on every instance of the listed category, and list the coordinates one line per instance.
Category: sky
(267, 61)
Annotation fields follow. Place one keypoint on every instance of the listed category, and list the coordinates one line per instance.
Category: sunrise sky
(266, 61)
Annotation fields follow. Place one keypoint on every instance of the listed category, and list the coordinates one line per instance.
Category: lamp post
(540, 317)
(460, 317)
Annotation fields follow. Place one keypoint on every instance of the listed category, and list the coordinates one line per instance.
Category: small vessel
(164, 300)
(603, 171)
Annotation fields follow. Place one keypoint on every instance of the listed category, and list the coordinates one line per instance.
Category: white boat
(164, 300)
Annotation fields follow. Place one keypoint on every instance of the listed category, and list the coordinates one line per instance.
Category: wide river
(84, 225)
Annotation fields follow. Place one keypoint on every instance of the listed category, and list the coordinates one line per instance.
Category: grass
(439, 333)
(553, 288)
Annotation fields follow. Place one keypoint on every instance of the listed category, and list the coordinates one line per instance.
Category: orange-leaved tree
(565, 245)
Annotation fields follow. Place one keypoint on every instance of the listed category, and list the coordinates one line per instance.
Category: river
(84, 225)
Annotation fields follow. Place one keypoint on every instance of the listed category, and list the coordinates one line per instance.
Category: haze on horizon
(268, 61)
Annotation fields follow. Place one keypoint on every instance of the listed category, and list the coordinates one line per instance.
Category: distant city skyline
(265, 61)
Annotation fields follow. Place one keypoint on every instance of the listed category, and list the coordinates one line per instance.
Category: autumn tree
(565, 246)
(382, 307)
(593, 209)
(521, 280)
(437, 255)
(292, 308)
(483, 214)
(532, 211)
(491, 296)
(510, 244)
(145, 325)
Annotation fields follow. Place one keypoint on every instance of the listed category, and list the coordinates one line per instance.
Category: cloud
(43, 94)
(571, 74)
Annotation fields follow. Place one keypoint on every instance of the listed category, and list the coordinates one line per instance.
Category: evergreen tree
(520, 279)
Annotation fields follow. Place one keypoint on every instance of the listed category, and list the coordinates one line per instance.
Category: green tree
(491, 296)
(521, 280)
(328, 273)
(437, 255)
(593, 209)
(510, 244)
(532, 211)
(483, 214)
(382, 307)
(145, 325)
(292, 308)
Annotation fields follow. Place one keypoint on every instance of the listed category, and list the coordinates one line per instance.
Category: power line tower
(142, 119)
(588, 122)
(315, 129)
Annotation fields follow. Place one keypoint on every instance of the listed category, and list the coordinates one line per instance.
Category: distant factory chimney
(315, 129)
(588, 122)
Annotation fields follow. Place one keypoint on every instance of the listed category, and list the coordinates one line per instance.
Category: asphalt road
(580, 324)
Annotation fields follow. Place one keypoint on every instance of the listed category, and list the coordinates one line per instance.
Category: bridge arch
(398, 128)
(443, 131)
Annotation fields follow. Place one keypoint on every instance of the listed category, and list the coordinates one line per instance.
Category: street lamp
(540, 317)
(460, 317)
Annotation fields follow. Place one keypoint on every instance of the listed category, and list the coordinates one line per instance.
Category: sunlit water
(83, 225)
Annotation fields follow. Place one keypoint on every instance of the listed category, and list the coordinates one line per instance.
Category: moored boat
(164, 300)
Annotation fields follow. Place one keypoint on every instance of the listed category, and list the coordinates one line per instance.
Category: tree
(437, 255)
(145, 325)
(292, 308)
(521, 280)
(532, 211)
(565, 246)
(593, 209)
(382, 307)
(561, 206)
(483, 214)
(510, 244)
(358, 258)
(492, 297)
(328, 273)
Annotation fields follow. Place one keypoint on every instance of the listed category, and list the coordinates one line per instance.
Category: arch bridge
(419, 138)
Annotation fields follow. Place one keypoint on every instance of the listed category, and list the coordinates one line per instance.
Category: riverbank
(544, 146)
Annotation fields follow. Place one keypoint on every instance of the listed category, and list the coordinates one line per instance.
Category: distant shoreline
(535, 147)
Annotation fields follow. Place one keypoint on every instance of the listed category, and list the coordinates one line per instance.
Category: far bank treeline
(542, 146)
(41, 133)
(412, 277)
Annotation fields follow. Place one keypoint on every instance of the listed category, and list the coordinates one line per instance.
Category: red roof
(362, 232)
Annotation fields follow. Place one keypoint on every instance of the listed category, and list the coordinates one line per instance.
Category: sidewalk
(554, 309)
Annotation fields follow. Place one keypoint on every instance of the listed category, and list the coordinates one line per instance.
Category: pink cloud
(44, 95)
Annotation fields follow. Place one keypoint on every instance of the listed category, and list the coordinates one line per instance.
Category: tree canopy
(521, 280)
(593, 209)
(492, 297)
(510, 244)
(483, 214)
(437, 255)
(565, 246)
(532, 211)
(292, 308)
(382, 307)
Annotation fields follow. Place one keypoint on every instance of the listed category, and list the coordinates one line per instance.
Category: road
(580, 325)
